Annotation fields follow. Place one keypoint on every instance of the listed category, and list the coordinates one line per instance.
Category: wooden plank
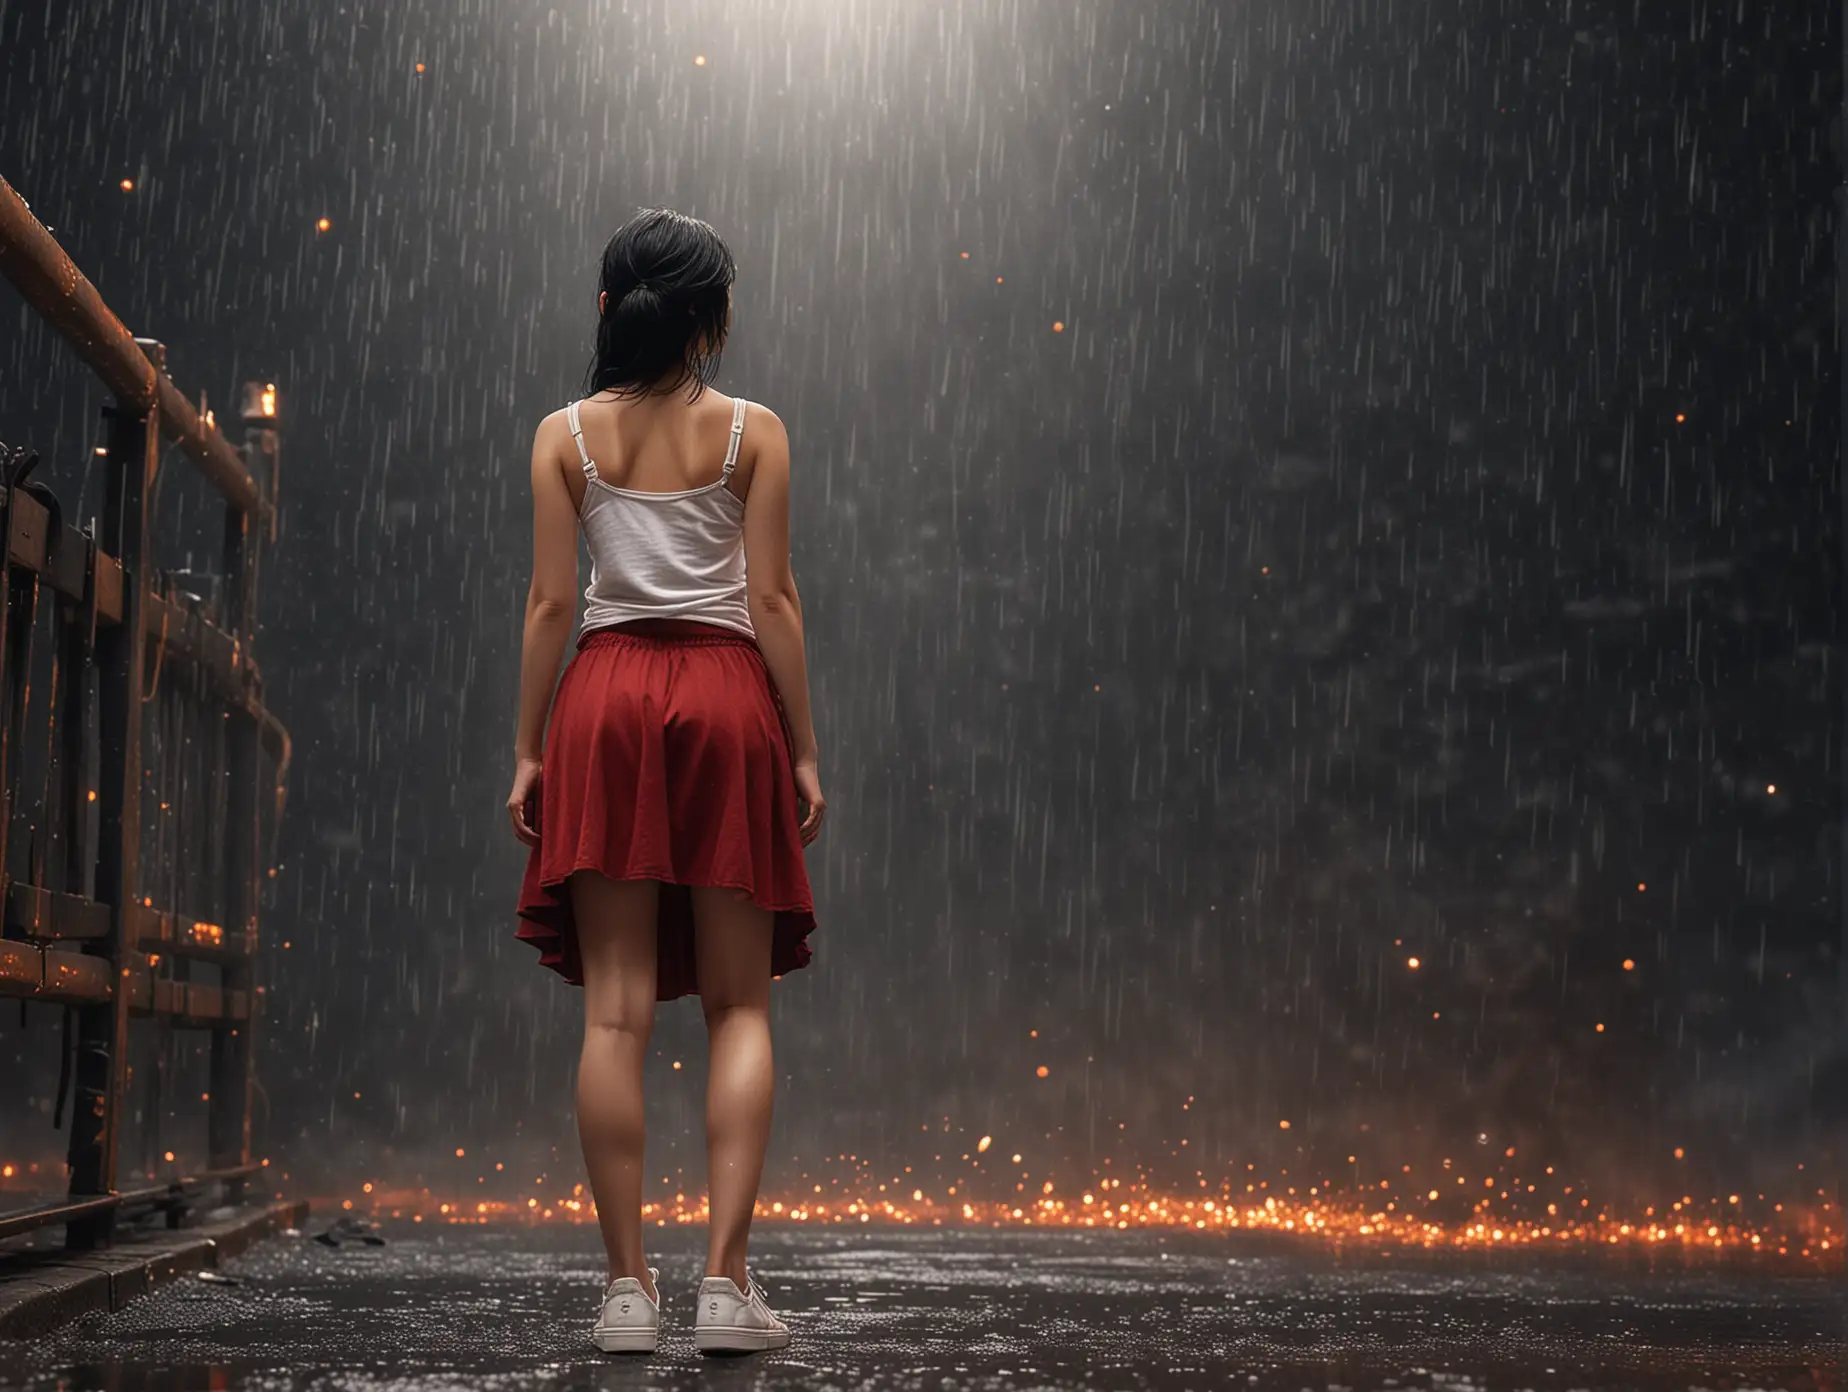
(28, 539)
(187, 1004)
(22, 969)
(47, 974)
(76, 976)
(183, 632)
(204, 1002)
(34, 912)
(108, 580)
(28, 911)
(68, 565)
(149, 928)
(157, 930)
(60, 554)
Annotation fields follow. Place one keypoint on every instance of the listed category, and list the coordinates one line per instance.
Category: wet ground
(508, 1309)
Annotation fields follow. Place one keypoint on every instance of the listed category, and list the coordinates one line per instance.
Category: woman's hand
(525, 791)
(808, 788)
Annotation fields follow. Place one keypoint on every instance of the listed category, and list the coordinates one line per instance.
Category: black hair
(668, 278)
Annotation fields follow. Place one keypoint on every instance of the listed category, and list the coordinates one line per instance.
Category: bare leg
(616, 937)
(732, 944)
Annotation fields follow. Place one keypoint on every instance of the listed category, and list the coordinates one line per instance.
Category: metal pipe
(276, 742)
(50, 282)
(46, 1215)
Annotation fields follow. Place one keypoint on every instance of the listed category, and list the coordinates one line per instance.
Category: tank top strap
(737, 434)
(577, 434)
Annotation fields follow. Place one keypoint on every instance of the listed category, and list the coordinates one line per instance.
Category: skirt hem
(549, 926)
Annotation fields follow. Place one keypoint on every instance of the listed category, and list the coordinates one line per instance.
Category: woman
(663, 814)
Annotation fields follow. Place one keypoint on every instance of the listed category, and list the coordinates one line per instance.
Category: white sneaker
(629, 1321)
(735, 1321)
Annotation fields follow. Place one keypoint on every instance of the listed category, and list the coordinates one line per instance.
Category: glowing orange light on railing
(268, 399)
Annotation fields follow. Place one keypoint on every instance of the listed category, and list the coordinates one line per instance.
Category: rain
(1318, 528)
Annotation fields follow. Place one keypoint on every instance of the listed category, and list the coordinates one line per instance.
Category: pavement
(509, 1308)
(44, 1285)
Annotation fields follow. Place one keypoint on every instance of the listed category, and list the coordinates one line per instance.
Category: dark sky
(1279, 490)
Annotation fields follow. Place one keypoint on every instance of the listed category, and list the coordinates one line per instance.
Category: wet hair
(668, 278)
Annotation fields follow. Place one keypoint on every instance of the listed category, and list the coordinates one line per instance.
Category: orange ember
(1812, 1238)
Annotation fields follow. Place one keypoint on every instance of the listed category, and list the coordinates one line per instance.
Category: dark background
(1419, 539)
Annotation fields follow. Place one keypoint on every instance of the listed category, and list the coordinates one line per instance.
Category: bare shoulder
(764, 432)
(553, 426)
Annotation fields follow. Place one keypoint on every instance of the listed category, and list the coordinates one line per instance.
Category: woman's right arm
(551, 611)
(776, 608)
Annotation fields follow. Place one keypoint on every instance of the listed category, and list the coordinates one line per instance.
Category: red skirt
(667, 757)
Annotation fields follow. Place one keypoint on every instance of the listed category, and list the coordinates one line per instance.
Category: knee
(623, 1024)
(723, 1010)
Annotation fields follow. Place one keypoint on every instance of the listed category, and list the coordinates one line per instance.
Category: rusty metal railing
(83, 613)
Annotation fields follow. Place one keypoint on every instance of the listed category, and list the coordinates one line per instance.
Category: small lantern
(259, 403)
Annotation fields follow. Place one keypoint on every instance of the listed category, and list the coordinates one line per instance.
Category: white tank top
(664, 555)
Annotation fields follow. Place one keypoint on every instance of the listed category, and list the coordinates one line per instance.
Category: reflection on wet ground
(508, 1308)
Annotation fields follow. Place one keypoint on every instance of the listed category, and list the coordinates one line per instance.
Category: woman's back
(661, 503)
(659, 445)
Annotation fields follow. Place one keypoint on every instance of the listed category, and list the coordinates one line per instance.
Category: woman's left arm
(551, 611)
